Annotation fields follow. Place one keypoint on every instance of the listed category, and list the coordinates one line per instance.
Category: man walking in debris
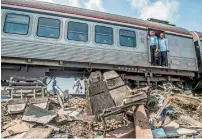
(78, 86)
(54, 86)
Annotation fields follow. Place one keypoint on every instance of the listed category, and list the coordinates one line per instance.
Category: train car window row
(77, 31)
(103, 35)
(49, 28)
(127, 38)
(16, 24)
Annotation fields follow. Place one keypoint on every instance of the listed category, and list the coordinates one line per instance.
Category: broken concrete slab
(16, 127)
(119, 94)
(110, 75)
(16, 106)
(100, 102)
(38, 133)
(173, 130)
(39, 102)
(142, 127)
(12, 123)
(38, 115)
(114, 83)
(69, 114)
(190, 120)
(95, 77)
(96, 88)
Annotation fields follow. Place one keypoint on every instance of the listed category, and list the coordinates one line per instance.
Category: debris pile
(179, 115)
(112, 109)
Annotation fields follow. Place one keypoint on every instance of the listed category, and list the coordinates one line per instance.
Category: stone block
(100, 102)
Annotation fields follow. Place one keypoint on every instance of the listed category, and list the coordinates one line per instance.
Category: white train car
(40, 38)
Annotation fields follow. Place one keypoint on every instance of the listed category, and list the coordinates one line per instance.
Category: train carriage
(40, 38)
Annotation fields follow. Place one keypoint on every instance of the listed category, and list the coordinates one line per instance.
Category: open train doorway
(158, 56)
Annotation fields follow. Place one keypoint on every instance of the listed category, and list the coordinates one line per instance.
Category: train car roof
(107, 17)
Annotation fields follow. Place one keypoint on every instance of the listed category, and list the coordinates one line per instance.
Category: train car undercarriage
(134, 76)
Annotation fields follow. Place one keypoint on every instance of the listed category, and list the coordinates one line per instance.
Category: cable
(196, 85)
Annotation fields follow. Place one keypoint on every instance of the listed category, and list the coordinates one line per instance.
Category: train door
(161, 59)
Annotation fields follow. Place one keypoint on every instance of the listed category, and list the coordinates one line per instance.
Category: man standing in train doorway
(153, 43)
(78, 86)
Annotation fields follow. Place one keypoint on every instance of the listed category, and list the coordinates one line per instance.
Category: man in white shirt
(78, 86)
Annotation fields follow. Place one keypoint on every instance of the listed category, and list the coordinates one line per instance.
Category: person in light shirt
(78, 86)
(153, 44)
(163, 49)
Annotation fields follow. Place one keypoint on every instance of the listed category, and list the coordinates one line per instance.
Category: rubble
(38, 115)
(16, 106)
(122, 132)
(15, 127)
(112, 109)
(40, 102)
(68, 115)
(38, 133)
(173, 130)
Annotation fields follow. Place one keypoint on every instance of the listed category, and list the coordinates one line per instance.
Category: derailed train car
(45, 39)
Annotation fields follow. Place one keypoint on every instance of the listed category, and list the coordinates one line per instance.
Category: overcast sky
(183, 13)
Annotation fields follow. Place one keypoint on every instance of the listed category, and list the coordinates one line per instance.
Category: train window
(77, 31)
(48, 27)
(103, 35)
(16, 24)
(127, 38)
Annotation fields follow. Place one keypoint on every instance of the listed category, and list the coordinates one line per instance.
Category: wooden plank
(142, 128)
(27, 84)
(26, 87)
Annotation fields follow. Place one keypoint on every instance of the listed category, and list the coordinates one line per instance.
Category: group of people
(77, 87)
(158, 49)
